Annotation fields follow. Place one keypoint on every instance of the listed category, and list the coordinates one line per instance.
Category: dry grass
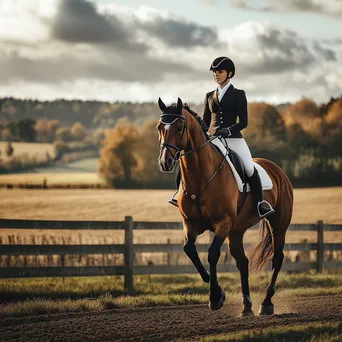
(318, 332)
(144, 205)
(32, 149)
(53, 178)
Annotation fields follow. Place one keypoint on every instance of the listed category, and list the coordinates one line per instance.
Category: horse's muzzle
(167, 164)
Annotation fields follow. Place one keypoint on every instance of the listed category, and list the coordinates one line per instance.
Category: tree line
(304, 138)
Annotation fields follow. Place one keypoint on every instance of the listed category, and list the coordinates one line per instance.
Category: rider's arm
(242, 114)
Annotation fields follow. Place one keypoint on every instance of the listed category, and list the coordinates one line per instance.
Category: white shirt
(221, 91)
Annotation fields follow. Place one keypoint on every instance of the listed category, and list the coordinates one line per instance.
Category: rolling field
(54, 175)
(144, 205)
(32, 149)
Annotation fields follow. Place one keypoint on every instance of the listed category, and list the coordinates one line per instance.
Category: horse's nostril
(168, 163)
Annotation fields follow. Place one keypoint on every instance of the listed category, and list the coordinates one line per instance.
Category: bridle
(179, 154)
(168, 146)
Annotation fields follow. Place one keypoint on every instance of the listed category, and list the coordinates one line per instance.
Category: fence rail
(128, 249)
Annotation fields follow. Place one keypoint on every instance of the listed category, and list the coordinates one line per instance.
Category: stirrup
(172, 200)
(268, 211)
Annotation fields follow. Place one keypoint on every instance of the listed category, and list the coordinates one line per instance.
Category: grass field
(144, 205)
(54, 175)
(32, 149)
(79, 294)
(318, 332)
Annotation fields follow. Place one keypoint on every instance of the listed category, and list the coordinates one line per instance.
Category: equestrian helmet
(223, 63)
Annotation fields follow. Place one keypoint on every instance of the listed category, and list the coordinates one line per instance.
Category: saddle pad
(264, 177)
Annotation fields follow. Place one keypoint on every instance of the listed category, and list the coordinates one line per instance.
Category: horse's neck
(198, 166)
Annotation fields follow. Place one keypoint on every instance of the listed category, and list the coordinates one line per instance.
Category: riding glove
(224, 132)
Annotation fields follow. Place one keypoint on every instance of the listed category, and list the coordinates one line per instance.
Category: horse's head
(172, 128)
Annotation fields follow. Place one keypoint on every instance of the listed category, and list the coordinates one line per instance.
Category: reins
(179, 155)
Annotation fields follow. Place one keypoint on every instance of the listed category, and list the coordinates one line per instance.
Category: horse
(208, 200)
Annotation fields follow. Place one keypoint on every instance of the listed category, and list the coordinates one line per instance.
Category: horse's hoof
(206, 277)
(218, 305)
(266, 310)
(246, 313)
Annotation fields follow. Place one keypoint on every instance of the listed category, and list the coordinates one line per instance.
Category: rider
(222, 107)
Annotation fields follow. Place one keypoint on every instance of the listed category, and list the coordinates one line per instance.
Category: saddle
(235, 163)
(238, 165)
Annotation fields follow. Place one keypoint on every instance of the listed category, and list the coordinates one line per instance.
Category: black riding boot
(263, 207)
(173, 201)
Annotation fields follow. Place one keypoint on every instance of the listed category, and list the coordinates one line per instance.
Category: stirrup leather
(269, 212)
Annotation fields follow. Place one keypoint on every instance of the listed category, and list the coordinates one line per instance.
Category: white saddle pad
(264, 177)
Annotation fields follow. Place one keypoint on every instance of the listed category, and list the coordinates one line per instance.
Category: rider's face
(220, 76)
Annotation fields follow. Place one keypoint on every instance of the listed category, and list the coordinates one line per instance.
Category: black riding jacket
(230, 112)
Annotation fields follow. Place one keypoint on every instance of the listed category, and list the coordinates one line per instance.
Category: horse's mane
(173, 109)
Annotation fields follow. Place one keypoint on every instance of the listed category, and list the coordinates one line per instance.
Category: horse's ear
(162, 105)
(179, 105)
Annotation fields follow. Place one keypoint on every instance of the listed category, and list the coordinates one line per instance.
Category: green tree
(26, 130)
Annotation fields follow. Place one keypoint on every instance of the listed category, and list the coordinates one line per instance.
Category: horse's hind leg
(279, 226)
(238, 253)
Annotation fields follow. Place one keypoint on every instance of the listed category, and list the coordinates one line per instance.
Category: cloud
(329, 7)
(176, 32)
(91, 50)
(78, 21)
(265, 49)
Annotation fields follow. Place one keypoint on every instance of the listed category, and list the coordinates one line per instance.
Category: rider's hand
(224, 132)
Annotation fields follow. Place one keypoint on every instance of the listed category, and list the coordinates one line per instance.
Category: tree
(118, 158)
(306, 113)
(46, 130)
(265, 123)
(26, 130)
(78, 131)
(64, 134)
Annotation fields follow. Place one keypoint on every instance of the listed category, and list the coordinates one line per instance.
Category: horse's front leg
(217, 295)
(191, 251)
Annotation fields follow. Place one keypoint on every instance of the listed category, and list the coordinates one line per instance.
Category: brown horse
(208, 199)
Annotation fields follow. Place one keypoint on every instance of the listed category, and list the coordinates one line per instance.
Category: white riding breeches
(240, 146)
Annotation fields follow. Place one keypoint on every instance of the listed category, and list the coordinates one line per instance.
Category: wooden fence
(128, 249)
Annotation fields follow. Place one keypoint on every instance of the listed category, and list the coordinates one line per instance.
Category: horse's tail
(261, 252)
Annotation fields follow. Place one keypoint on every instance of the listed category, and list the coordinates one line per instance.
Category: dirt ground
(182, 323)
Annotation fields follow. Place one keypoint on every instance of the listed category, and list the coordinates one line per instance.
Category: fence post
(128, 256)
(320, 246)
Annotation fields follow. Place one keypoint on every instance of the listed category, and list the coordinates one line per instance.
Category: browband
(178, 116)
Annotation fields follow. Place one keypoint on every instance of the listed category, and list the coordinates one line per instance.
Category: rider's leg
(239, 146)
(172, 200)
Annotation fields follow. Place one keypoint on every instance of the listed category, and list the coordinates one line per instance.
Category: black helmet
(223, 63)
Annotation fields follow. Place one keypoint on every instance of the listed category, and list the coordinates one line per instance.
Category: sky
(129, 50)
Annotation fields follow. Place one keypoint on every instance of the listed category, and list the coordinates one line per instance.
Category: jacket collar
(215, 96)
